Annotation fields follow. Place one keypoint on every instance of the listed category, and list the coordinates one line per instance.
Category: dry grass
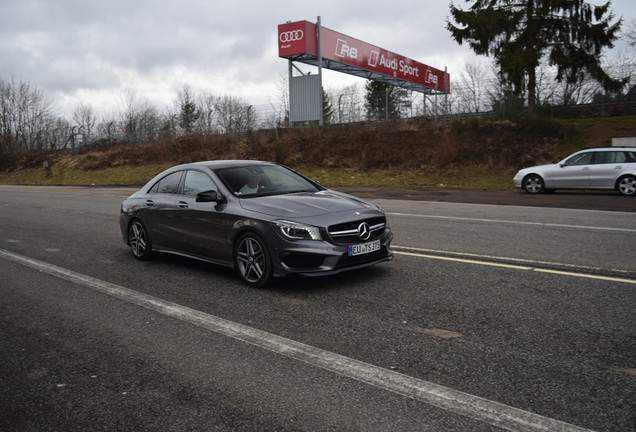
(464, 153)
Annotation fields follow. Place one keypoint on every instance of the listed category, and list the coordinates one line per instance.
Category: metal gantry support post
(290, 72)
(72, 138)
(322, 108)
(446, 90)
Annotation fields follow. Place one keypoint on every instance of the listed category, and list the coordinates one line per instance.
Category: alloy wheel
(533, 184)
(139, 240)
(252, 261)
(627, 185)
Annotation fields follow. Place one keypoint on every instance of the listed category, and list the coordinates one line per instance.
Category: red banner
(300, 38)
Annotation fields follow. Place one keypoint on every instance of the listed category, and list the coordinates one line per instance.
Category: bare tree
(57, 134)
(471, 90)
(25, 117)
(130, 114)
(109, 129)
(281, 104)
(624, 65)
(233, 115)
(84, 116)
(150, 123)
(348, 104)
(631, 34)
(207, 109)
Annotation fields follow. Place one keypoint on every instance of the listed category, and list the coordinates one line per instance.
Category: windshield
(258, 180)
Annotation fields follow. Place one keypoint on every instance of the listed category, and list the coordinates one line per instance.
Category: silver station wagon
(611, 168)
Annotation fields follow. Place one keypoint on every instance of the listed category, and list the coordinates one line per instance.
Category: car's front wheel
(533, 184)
(252, 260)
(627, 185)
(139, 240)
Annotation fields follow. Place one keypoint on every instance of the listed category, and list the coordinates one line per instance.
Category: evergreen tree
(520, 34)
(381, 97)
(327, 108)
(188, 112)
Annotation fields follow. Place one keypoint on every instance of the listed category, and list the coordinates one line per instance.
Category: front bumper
(319, 258)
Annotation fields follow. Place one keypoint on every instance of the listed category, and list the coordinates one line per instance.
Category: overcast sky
(86, 51)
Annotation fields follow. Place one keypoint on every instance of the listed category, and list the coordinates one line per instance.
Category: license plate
(364, 248)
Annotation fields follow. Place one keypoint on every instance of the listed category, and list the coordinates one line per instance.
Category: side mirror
(209, 196)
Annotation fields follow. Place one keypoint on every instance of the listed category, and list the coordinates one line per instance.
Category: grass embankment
(470, 153)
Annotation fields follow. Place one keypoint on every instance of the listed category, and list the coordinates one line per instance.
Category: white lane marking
(518, 261)
(498, 221)
(464, 260)
(480, 409)
(517, 267)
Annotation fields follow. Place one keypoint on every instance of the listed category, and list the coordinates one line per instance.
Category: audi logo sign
(291, 36)
(296, 38)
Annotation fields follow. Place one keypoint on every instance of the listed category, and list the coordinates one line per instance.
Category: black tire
(139, 240)
(252, 260)
(533, 184)
(626, 185)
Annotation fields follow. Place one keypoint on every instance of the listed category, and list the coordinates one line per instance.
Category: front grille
(347, 233)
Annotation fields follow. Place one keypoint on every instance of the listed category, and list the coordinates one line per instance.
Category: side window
(580, 159)
(602, 157)
(631, 156)
(196, 182)
(168, 185)
(620, 157)
(609, 157)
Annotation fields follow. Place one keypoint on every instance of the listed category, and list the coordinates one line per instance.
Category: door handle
(183, 204)
(150, 203)
(618, 167)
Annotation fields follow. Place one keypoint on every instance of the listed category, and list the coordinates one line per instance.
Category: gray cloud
(66, 47)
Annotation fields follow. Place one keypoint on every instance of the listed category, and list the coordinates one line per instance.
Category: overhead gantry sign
(313, 44)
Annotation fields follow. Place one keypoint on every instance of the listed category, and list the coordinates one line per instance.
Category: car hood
(306, 204)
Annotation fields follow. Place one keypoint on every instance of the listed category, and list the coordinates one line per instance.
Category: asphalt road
(491, 317)
(570, 199)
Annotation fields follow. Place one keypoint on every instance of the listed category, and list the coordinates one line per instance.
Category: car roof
(217, 164)
(609, 148)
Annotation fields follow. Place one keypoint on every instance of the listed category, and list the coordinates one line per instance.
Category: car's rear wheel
(533, 184)
(627, 185)
(139, 240)
(252, 260)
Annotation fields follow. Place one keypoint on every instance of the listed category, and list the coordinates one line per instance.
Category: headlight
(296, 231)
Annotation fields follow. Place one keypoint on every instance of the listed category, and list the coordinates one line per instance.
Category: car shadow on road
(177, 267)
(330, 283)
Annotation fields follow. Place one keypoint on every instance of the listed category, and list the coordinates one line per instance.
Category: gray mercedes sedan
(261, 218)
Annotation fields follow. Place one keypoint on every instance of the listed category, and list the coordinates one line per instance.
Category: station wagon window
(168, 185)
(580, 159)
(610, 157)
(196, 182)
